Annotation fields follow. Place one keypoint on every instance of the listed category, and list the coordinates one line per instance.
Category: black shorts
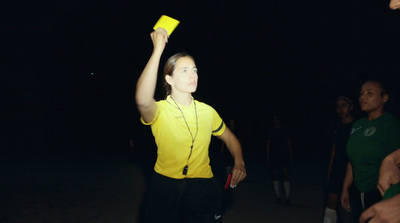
(182, 200)
(336, 179)
(369, 199)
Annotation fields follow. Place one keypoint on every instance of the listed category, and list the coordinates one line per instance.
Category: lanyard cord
(185, 169)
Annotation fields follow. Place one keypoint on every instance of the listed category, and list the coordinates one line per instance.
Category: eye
(195, 70)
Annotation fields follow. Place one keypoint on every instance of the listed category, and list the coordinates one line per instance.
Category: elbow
(139, 101)
(142, 101)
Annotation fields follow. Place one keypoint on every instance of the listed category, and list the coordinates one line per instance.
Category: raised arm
(146, 85)
(233, 144)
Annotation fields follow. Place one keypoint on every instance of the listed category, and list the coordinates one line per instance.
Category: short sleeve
(218, 124)
(154, 119)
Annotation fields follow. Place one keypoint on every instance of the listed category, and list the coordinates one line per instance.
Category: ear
(168, 79)
(385, 98)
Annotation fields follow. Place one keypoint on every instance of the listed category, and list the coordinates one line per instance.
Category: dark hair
(169, 68)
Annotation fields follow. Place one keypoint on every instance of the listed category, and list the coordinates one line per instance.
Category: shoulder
(360, 121)
(203, 105)
(203, 108)
(391, 122)
(165, 104)
(161, 102)
(391, 118)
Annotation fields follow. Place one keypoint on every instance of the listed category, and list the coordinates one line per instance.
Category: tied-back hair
(169, 68)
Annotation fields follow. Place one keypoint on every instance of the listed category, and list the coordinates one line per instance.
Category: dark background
(70, 67)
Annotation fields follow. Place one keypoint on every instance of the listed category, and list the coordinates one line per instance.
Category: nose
(193, 74)
(361, 96)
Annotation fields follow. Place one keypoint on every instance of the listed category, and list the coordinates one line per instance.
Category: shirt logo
(217, 216)
(355, 129)
(370, 131)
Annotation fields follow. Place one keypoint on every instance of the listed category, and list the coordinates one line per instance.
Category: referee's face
(185, 76)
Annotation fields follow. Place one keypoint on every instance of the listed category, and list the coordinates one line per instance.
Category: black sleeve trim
(220, 127)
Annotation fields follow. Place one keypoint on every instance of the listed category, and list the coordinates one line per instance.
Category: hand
(389, 174)
(238, 174)
(383, 211)
(394, 4)
(344, 198)
(159, 38)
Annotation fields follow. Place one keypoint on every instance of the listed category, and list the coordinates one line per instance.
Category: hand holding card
(166, 23)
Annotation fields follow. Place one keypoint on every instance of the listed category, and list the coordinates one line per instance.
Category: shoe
(277, 201)
(287, 202)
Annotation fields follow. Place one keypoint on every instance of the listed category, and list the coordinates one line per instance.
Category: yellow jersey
(174, 140)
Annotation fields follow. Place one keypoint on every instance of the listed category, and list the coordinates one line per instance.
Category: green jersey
(369, 143)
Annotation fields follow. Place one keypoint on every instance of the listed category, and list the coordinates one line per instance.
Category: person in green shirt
(371, 139)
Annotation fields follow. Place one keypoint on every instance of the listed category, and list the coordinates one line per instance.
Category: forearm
(236, 150)
(146, 85)
(348, 179)
(394, 157)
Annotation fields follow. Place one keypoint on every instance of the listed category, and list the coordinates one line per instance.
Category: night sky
(71, 67)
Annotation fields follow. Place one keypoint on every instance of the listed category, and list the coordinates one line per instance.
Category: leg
(286, 185)
(332, 201)
(330, 215)
(161, 202)
(276, 185)
(201, 202)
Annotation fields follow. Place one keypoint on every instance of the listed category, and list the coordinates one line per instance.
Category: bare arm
(146, 85)
(233, 144)
(383, 211)
(389, 172)
(348, 180)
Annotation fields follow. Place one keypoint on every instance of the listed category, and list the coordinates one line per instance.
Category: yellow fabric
(173, 138)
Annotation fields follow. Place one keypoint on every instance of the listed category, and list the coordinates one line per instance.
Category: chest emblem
(370, 131)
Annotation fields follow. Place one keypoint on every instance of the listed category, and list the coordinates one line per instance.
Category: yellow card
(167, 23)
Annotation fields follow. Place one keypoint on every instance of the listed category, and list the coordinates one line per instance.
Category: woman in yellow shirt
(182, 188)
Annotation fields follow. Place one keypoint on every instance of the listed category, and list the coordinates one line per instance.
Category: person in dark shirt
(340, 131)
(279, 155)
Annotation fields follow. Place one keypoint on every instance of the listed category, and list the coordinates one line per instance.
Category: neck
(375, 114)
(347, 119)
(183, 99)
